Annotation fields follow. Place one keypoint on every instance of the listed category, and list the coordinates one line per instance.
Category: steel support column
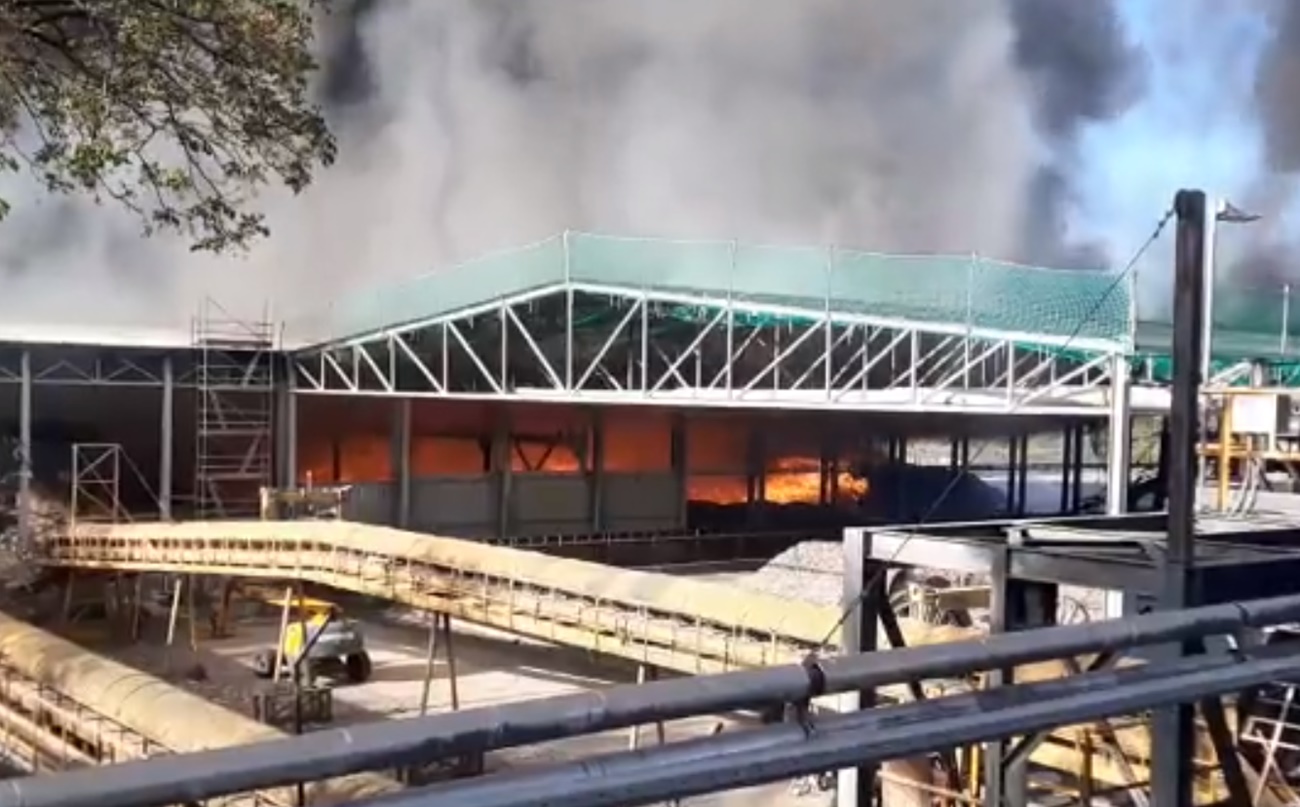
(596, 469)
(755, 473)
(680, 465)
(1076, 492)
(1022, 481)
(1119, 456)
(401, 464)
(864, 592)
(1171, 767)
(1120, 447)
(501, 463)
(25, 448)
(1067, 465)
(166, 439)
(1014, 605)
(1013, 467)
(286, 431)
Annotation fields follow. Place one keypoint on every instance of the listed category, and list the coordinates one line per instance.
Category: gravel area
(812, 572)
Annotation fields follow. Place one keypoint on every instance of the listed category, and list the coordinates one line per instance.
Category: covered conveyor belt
(670, 622)
(168, 719)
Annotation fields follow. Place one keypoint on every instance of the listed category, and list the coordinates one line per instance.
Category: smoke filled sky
(1044, 131)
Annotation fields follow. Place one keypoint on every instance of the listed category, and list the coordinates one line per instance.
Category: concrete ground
(492, 668)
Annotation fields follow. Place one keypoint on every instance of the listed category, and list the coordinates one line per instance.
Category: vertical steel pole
(167, 447)
(25, 450)
(1286, 317)
(291, 432)
(1171, 782)
(1120, 450)
(568, 315)
(1209, 238)
(864, 586)
(400, 446)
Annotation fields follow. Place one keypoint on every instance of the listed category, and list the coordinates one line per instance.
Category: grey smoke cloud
(1277, 89)
(469, 125)
(1082, 70)
(1261, 257)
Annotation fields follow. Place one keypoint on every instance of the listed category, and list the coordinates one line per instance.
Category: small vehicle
(336, 646)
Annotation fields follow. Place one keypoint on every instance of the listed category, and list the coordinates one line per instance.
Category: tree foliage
(177, 109)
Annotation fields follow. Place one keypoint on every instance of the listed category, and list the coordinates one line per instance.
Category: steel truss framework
(96, 483)
(615, 345)
(130, 367)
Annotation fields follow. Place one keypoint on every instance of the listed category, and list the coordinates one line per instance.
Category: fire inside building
(473, 425)
(582, 398)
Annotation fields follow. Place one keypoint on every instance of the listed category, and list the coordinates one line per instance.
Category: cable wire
(914, 528)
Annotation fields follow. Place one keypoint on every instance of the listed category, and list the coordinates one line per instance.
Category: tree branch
(177, 109)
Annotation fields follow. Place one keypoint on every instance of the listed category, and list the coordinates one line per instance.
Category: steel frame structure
(96, 483)
(1026, 561)
(581, 342)
(110, 365)
(1236, 558)
(806, 742)
(234, 426)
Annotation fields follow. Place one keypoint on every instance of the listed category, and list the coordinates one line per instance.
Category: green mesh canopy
(1249, 323)
(952, 290)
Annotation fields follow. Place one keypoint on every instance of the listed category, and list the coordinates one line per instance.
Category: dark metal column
(596, 469)
(681, 467)
(166, 439)
(1022, 481)
(1171, 768)
(864, 595)
(1014, 605)
(1076, 489)
(25, 449)
(400, 446)
(756, 473)
(502, 461)
(1067, 462)
(1013, 467)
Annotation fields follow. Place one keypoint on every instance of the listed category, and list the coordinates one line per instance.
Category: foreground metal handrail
(326, 754)
(761, 756)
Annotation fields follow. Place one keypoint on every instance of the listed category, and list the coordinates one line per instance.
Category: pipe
(176, 719)
(29, 699)
(166, 780)
(56, 750)
(726, 762)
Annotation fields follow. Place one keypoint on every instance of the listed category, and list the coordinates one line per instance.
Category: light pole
(1225, 212)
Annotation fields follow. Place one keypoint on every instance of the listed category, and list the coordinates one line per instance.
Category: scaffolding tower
(234, 388)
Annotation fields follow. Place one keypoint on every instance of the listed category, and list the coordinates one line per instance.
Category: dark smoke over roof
(468, 125)
(1277, 89)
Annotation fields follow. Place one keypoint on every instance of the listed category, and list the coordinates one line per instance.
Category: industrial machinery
(306, 503)
(1252, 433)
(317, 640)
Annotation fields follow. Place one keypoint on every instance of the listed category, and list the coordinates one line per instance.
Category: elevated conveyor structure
(672, 623)
(106, 712)
(681, 624)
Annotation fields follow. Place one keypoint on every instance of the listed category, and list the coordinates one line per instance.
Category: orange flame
(636, 440)
(788, 480)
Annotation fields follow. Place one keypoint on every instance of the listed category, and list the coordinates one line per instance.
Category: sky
(1191, 129)
(1005, 128)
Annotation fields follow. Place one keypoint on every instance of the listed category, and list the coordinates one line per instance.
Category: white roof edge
(94, 335)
